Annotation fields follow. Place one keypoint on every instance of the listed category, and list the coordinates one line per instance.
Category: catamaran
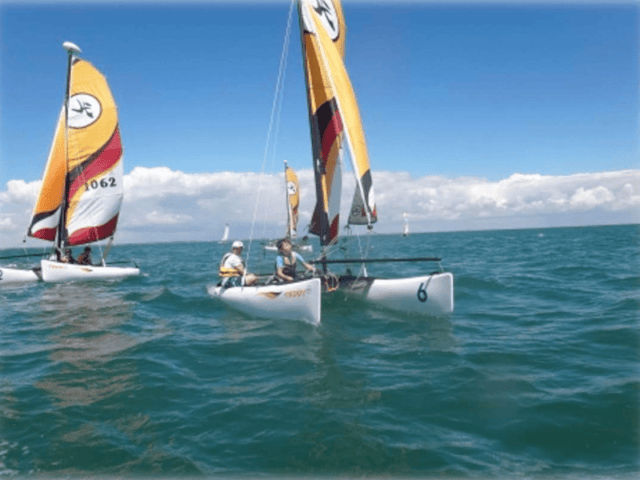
(292, 198)
(82, 188)
(336, 130)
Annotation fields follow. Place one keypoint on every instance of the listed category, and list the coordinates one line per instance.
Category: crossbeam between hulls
(377, 260)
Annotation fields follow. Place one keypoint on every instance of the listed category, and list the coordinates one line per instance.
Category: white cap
(237, 244)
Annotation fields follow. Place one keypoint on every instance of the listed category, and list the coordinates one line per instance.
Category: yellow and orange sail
(334, 119)
(82, 187)
(293, 201)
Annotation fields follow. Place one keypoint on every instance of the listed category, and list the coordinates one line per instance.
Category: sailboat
(292, 199)
(13, 276)
(405, 225)
(336, 130)
(82, 188)
(225, 235)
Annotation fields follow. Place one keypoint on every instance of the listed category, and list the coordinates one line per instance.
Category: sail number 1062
(103, 183)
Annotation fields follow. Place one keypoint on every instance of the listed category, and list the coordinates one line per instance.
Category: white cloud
(163, 205)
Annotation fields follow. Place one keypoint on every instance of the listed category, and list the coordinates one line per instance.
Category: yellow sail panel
(46, 212)
(94, 167)
(363, 210)
(92, 113)
(293, 201)
(324, 118)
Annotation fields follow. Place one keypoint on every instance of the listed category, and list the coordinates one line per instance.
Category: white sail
(225, 235)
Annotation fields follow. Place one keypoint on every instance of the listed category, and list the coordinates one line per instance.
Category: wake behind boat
(83, 184)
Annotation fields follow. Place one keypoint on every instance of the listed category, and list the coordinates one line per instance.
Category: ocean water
(534, 375)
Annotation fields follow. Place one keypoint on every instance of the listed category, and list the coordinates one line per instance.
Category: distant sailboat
(405, 226)
(83, 185)
(225, 235)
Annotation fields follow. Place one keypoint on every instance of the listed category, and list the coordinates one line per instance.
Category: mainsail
(334, 117)
(82, 187)
(293, 200)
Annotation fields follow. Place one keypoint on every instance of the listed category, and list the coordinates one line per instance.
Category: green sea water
(534, 375)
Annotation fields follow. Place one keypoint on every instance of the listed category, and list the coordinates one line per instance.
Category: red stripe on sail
(93, 234)
(333, 230)
(106, 159)
(331, 132)
(44, 234)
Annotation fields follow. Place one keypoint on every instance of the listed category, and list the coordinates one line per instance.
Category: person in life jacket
(85, 257)
(287, 261)
(232, 268)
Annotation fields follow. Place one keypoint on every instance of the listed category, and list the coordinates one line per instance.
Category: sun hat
(237, 244)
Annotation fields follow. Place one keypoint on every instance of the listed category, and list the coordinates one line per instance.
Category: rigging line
(271, 122)
(279, 96)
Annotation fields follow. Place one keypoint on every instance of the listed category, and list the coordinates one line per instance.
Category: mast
(286, 198)
(71, 49)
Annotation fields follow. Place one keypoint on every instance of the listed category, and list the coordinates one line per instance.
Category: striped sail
(293, 201)
(84, 174)
(334, 119)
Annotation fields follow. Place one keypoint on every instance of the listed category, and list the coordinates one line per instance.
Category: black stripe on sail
(366, 185)
(39, 217)
(325, 113)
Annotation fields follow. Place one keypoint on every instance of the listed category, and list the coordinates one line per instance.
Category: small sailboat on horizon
(82, 187)
(225, 234)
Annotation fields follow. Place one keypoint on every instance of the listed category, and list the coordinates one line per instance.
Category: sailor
(67, 257)
(85, 257)
(287, 261)
(232, 268)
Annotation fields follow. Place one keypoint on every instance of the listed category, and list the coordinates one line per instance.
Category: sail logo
(326, 12)
(84, 109)
(291, 189)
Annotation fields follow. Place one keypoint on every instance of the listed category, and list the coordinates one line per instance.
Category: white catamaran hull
(13, 276)
(63, 272)
(425, 295)
(290, 301)
(297, 248)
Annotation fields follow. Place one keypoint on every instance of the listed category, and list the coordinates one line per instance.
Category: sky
(477, 115)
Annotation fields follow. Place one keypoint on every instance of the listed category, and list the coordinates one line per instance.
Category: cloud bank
(166, 205)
